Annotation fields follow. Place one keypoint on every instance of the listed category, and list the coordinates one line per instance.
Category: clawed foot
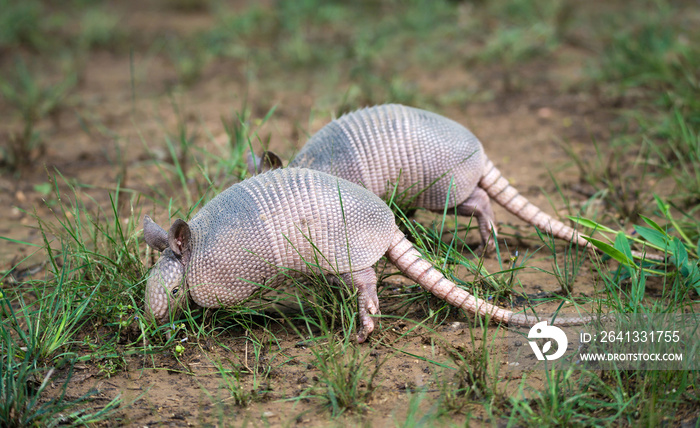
(367, 325)
(365, 281)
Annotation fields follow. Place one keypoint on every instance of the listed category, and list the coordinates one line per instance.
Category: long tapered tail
(406, 257)
(508, 197)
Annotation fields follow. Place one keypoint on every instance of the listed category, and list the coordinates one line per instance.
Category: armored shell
(293, 219)
(385, 145)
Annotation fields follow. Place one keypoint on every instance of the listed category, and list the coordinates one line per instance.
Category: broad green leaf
(663, 206)
(623, 244)
(693, 278)
(654, 237)
(652, 223)
(610, 251)
(590, 224)
(690, 270)
(680, 254)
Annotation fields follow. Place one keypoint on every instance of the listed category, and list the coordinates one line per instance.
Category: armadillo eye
(175, 291)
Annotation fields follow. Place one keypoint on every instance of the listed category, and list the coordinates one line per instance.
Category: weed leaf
(590, 224)
(653, 236)
(652, 223)
(610, 251)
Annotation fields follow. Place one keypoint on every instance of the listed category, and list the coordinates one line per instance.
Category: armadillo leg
(478, 205)
(365, 281)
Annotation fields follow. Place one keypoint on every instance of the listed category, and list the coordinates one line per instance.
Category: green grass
(347, 374)
(248, 379)
(100, 29)
(29, 365)
(652, 64)
(473, 377)
(93, 272)
(21, 24)
(188, 58)
(607, 398)
(530, 30)
(33, 101)
(39, 340)
(566, 267)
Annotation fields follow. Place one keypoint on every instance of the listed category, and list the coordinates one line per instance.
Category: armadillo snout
(165, 289)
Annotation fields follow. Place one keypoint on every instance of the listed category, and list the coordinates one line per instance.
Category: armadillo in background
(292, 221)
(424, 159)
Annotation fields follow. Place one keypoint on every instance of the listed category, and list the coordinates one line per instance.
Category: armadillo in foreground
(423, 158)
(295, 221)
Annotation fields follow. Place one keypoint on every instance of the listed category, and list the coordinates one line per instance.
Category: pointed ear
(156, 236)
(270, 161)
(263, 163)
(179, 239)
(253, 163)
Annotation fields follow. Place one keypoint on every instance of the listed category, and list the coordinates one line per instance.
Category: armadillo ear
(179, 239)
(156, 236)
(263, 163)
(270, 161)
(253, 162)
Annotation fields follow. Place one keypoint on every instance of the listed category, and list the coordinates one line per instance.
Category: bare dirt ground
(521, 132)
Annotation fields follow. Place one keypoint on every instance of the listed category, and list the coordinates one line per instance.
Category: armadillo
(296, 221)
(431, 161)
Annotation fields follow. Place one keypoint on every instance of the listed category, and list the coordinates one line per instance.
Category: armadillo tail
(525, 320)
(406, 257)
(508, 196)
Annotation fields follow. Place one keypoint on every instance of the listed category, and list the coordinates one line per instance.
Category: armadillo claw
(365, 281)
(367, 324)
(367, 328)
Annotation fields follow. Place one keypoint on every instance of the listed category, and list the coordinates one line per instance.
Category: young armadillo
(291, 220)
(421, 154)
